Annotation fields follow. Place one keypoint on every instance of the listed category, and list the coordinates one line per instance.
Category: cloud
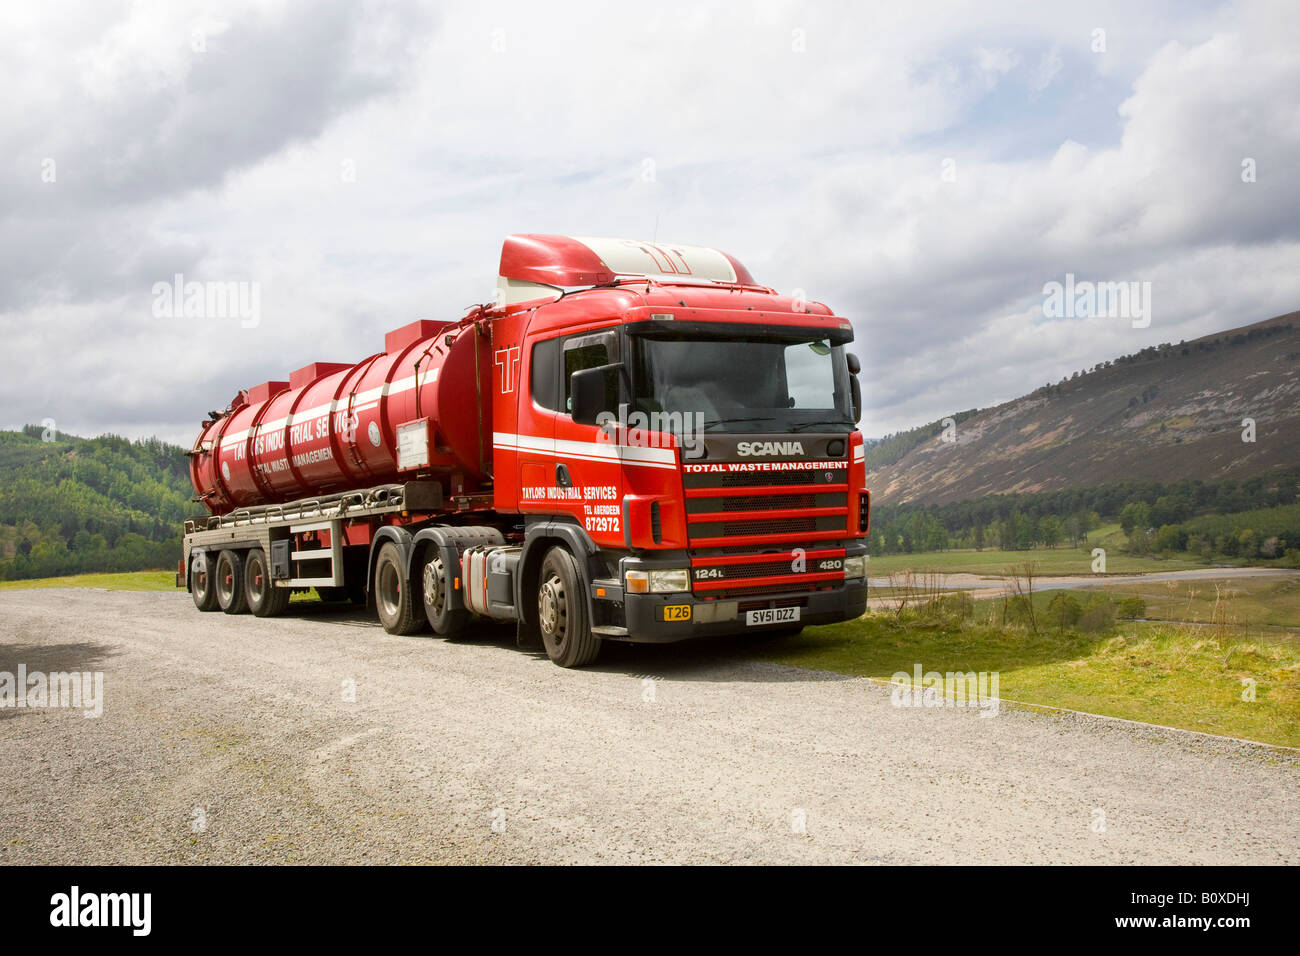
(362, 164)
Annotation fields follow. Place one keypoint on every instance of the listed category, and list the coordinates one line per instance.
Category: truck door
(540, 400)
(588, 469)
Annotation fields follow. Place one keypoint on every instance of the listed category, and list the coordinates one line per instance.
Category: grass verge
(125, 581)
(1161, 673)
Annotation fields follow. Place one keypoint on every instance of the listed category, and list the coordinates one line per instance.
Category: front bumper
(644, 613)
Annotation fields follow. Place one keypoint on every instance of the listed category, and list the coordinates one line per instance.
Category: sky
(924, 170)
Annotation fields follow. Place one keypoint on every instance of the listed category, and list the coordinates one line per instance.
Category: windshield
(744, 384)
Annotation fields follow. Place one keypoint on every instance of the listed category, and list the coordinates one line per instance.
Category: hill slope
(1167, 412)
(99, 504)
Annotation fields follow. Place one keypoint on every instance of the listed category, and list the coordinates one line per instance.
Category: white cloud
(818, 169)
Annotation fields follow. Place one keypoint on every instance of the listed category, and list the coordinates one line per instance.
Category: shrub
(1016, 610)
(1064, 610)
(1132, 608)
(1098, 615)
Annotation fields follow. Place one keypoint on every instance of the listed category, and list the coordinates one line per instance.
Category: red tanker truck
(634, 442)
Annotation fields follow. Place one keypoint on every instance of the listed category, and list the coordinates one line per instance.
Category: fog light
(675, 579)
(855, 567)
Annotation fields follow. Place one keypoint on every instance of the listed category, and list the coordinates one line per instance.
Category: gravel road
(229, 739)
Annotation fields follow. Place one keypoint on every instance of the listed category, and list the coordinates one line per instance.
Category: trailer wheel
(203, 586)
(394, 598)
(562, 612)
(444, 621)
(230, 583)
(264, 598)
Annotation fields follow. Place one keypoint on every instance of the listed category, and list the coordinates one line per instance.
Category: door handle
(562, 477)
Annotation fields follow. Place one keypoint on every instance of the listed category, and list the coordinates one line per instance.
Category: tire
(203, 586)
(263, 597)
(562, 612)
(230, 583)
(394, 597)
(444, 621)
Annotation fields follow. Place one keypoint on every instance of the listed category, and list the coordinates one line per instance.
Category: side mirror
(855, 388)
(854, 365)
(592, 391)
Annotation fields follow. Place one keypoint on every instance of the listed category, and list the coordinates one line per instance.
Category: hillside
(1166, 413)
(80, 505)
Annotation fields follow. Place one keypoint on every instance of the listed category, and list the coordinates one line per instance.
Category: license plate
(772, 615)
(677, 612)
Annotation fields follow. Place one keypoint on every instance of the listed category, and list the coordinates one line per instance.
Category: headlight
(855, 567)
(659, 582)
(676, 579)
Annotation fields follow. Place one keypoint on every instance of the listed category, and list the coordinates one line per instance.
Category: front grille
(733, 529)
(749, 502)
(742, 479)
(757, 528)
(757, 569)
(764, 502)
(800, 570)
(753, 498)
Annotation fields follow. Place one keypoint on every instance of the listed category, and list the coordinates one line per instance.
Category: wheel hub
(549, 600)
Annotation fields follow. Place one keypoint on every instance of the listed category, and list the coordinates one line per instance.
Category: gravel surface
(229, 739)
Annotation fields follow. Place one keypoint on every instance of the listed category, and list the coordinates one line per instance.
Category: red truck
(634, 442)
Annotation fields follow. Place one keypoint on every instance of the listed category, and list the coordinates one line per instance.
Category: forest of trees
(72, 505)
(76, 505)
(1255, 518)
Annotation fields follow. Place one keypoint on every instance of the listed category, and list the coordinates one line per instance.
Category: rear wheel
(263, 597)
(394, 600)
(444, 621)
(562, 612)
(203, 583)
(230, 583)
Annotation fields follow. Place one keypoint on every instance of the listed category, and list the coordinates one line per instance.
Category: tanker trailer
(634, 442)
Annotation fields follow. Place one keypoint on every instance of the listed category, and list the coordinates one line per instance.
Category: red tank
(333, 428)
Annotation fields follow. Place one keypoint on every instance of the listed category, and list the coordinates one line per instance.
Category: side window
(543, 374)
(584, 351)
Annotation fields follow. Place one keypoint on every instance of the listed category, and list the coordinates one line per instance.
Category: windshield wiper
(729, 421)
(828, 421)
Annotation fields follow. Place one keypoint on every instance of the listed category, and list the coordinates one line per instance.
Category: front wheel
(562, 612)
(394, 598)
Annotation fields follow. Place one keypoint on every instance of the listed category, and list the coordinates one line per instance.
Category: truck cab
(695, 431)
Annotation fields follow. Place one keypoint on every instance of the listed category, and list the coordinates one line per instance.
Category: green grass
(1158, 673)
(127, 581)
(1250, 601)
(1046, 560)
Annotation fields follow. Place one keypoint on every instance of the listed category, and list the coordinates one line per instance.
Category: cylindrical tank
(333, 428)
